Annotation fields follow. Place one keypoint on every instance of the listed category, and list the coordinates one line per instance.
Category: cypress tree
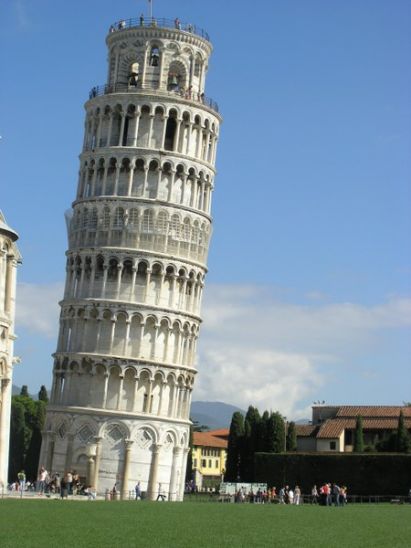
(403, 437)
(17, 439)
(358, 436)
(277, 431)
(189, 469)
(262, 436)
(24, 391)
(43, 396)
(235, 439)
(291, 441)
(251, 428)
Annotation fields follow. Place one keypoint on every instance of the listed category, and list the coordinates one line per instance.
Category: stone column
(50, 453)
(66, 390)
(104, 403)
(152, 480)
(172, 489)
(127, 338)
(126, 467)
(97, 461)
(163, 136)
(177, 135)
(116, 178)
(150, 131)
(136, 129)
(133, 283)
(130, 179)
(120, 138)
(180, 495)
(4, 429)
(9, 285)
(90, 471)
(120, 392)
(69, 452)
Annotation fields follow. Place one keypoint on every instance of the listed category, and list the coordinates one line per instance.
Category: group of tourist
(153, 23)
(47, 484)
(328, 494)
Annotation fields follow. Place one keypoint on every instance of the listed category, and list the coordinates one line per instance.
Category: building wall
(9, 259)
(208, 462)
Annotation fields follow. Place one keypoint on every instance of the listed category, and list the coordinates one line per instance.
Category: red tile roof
(383, 411)
(220, 433)
(207, 439)
(305, 430)
(332, 428)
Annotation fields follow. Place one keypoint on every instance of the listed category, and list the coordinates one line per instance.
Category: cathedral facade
(138, 232)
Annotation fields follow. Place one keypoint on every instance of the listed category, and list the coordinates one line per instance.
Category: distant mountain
(214, 414)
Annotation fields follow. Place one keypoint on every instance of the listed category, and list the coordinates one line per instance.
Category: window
(204, 463)
(154, 56)
(210, 463)
(333, 445)
(194, 463)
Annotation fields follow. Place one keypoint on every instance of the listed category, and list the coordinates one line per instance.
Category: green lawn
(55, 523)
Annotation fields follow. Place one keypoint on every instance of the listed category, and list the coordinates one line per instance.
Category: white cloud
(255, 349)
(37, 308)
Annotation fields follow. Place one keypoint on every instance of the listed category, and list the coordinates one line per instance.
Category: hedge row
(363, 474)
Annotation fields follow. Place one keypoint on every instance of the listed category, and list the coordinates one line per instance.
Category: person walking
(22, 482)
(314, 495)
(138, 491)
(297, 495)
(42, 480)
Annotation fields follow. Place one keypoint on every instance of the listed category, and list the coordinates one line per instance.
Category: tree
(250, 443)
(26, 425)
(276, 433)
(262, 437)
(43, 396)
(235, 440)
(33, 450)
(403, 437)
(291, 440)
(17, 439)
(358, 436)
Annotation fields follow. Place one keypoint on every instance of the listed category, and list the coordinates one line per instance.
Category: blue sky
(308, 291)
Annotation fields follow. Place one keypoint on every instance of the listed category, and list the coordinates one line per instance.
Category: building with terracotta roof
(209, 457)
(332, 427)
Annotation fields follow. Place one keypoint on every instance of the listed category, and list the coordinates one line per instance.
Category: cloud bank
(256, 348)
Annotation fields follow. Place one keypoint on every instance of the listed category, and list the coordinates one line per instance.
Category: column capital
(157, 448)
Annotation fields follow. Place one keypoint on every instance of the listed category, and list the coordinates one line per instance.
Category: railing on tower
(121, 87)
(158, 22)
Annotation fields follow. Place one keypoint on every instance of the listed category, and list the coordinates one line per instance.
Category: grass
(55, 523)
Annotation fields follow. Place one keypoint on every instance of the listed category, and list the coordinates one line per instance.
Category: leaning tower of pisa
(138, 232)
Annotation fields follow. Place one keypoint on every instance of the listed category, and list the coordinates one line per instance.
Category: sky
(308, 295)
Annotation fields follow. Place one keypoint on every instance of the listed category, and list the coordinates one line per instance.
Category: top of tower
(159, 23)
(4, 227)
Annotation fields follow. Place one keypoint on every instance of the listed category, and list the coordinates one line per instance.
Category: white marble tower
(9, 259)
(138, 233)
